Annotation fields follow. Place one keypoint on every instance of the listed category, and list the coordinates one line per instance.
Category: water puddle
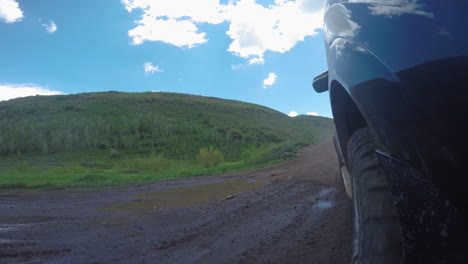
(188, 196)
(325, 204)
(323, 199)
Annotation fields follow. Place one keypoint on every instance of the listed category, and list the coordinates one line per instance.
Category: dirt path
(294, 212)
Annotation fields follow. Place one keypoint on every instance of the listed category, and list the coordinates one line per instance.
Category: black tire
(377, 235)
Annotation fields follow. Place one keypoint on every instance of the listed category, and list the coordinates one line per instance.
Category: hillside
(175, 125)
(99, 129)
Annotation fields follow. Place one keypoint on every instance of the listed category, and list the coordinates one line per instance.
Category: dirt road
(294, 212)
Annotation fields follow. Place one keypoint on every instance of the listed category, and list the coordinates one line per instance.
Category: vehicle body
(400, 68)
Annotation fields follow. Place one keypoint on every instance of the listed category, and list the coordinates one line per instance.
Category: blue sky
(263, 52)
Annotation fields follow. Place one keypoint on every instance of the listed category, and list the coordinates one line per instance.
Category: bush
(287, 155)
(269, 152)
(210, 157)
(258, 155)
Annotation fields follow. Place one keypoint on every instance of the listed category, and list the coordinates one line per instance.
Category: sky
(259, 51)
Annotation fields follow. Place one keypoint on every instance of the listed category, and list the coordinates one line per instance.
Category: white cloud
(270, 80)
(257, 61)
(253, 28)
(10, 91)
(201, 11)
(338, 21)
(51, 27)
(256, 29)
(10, 11)
(150, 68)
(294, 114)
(173, 21)
(395, 7)
(178, 33)
(236, 67)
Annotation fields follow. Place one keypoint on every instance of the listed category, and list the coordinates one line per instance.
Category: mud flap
(432, 229)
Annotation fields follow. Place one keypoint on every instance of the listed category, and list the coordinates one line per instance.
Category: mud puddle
(187, 196)
(322, 199)
(325, 204)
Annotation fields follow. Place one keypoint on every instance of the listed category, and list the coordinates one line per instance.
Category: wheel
(377, 235)
(343, 169)
(338, 150)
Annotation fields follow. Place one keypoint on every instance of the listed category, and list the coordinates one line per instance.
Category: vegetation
(210, 157)
(115, 138)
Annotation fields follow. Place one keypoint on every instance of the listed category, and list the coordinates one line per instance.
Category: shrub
(210, 157)
(269, 152)
(258, 155)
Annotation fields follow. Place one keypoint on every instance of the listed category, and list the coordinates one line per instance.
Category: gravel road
(293, 212)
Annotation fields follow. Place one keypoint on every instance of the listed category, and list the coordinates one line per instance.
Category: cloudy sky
(260, 51)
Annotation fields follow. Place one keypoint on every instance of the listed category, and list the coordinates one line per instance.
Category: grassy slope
(110, 138)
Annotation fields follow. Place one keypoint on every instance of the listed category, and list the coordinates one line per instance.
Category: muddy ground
(293, 212)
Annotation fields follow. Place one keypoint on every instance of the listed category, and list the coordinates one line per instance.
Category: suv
(397, 76)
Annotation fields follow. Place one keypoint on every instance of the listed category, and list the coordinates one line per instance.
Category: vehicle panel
(403, 63)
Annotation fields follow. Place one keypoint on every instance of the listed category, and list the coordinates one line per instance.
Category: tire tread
(379, 231)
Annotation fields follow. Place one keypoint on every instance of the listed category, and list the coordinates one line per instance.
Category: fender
(410, 94)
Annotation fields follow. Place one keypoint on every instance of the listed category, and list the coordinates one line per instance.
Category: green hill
(102, 131)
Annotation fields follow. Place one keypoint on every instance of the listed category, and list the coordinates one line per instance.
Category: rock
(229, 197)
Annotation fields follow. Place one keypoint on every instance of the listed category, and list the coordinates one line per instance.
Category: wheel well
(348, 117)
